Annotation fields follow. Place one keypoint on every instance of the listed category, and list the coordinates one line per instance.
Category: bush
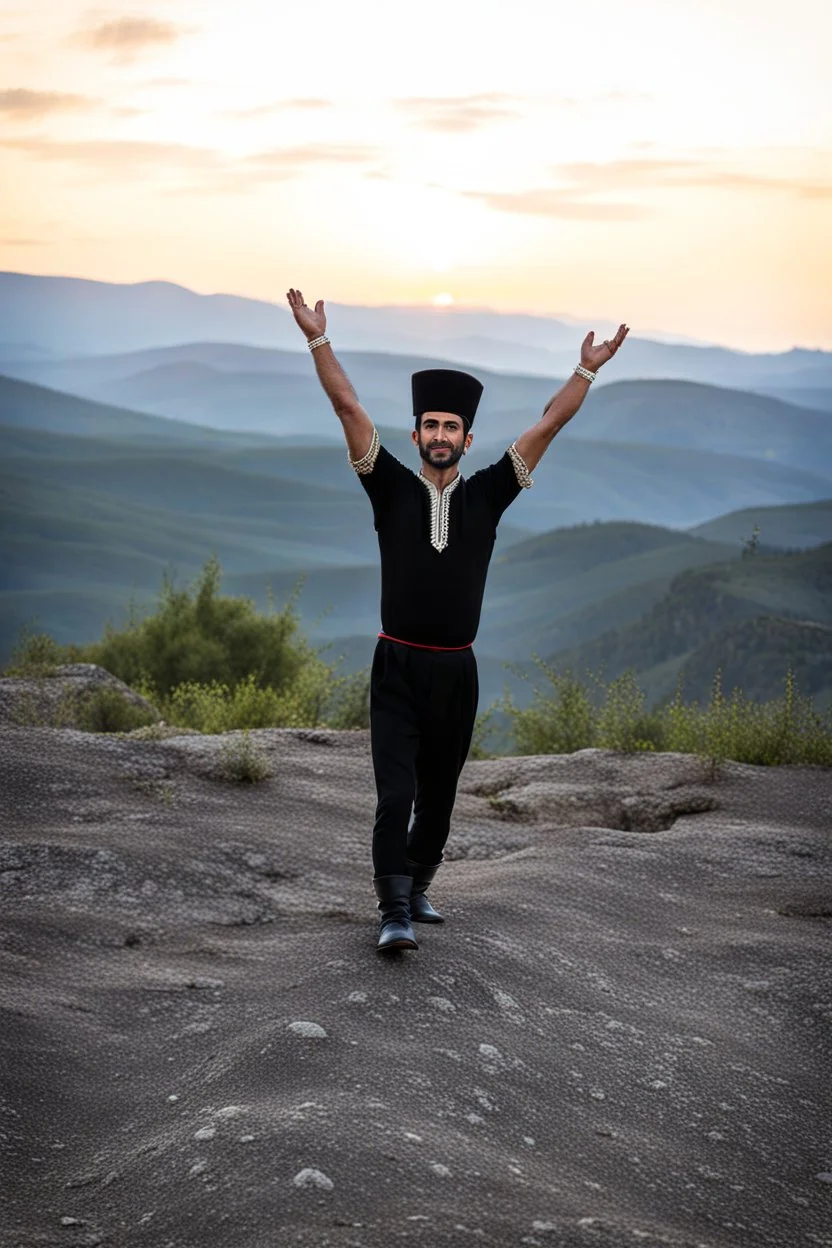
(554, 723)
(198, 636)
(785, 730)
(35, 654)
(108, 710)
(242, 763)
(350, 701)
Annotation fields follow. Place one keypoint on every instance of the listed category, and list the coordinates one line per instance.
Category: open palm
(593, 357)
(311, 321)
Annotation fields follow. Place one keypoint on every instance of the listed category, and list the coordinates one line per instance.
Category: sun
(443, 300)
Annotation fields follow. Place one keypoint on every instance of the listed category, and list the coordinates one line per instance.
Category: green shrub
(785, 730)
(35, 654)
(554, 723)
(349, 706)
(623, 722)
(198, 636)
(242, 763)
(108, 710)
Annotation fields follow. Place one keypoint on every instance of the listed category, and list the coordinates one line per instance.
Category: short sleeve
(503, 481)
(381, 475)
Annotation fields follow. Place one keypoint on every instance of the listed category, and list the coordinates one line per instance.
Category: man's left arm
(533, 444)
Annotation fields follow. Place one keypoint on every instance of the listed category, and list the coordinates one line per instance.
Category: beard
(446, 460)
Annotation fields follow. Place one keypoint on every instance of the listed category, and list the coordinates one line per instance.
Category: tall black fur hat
(446, 390)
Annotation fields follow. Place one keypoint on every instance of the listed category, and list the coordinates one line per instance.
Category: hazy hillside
(579, 480)
(565, 587)
(755, 655)
(278, 393)
(68, 316)
(794, 527)
(29, 407)
(684, 414)
(703, 604)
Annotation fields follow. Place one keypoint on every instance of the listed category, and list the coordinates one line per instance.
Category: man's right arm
(357, 426)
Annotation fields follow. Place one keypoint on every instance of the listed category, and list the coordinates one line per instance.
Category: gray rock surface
(53, 700)
(620, 1036)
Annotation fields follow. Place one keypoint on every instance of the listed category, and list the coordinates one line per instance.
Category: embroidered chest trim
(440, 507)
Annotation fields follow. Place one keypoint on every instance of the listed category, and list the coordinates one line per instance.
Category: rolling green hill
(566, 586)
(687, 414)
(755, 655)
(796, 526)
(705, 604)
(34, 408)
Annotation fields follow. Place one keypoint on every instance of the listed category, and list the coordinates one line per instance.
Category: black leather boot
(421, 911)
(394, 932)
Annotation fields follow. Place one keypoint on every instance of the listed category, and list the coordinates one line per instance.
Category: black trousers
(423, 704)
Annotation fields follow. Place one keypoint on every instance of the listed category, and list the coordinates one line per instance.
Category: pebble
(313, 1178)
(491, 1052)
(205, 1133)
(173, 1098)
(70, 1221)
(312, 1031)
(825, 1176)
(442, 1003)
(358, 997)
(245, 1139)
(229, 1111)
(438, 1168)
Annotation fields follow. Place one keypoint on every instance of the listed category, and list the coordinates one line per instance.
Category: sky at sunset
(663, 162)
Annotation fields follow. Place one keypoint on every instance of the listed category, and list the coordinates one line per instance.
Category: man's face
(441, 439)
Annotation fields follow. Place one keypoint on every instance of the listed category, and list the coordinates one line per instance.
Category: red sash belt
(418, 646)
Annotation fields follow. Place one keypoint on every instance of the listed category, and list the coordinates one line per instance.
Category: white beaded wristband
(584, 372)
(317, 342)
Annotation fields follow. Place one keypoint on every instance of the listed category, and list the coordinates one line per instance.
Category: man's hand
(593, 357)
(312, 323)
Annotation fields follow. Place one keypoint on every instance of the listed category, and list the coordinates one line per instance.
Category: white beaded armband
(317, 342)
(520, 469)
(367, 462)
(585, 372)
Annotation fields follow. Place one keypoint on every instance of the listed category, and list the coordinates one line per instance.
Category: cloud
(22, 104)
(631, 174)
(278, 106)
(296, 158)
(559, 204)
(114, 154)
(582, 182)
(195, 168)
(459, 114)
(126, 37)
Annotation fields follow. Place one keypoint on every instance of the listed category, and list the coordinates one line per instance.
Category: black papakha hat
(446, 390)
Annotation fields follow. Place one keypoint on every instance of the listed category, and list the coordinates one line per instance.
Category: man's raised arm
(533, 444)
(358, 428)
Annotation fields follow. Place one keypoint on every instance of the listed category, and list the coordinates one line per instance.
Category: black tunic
(433, 596)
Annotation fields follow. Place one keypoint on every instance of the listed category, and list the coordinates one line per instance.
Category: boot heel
(421, 911)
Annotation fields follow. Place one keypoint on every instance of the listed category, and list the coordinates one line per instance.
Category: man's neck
(440, 477)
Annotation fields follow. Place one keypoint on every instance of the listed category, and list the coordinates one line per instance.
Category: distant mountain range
(43, 318)
(97, 502)
(132, 444)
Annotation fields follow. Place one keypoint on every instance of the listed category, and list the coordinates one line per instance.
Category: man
(436, 532)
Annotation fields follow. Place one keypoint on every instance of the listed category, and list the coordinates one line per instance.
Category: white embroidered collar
(440, 505)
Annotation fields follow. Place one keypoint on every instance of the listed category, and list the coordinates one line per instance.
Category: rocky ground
(620, 1036)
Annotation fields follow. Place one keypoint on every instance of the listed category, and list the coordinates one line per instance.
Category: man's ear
(469, 438)
(415, 436)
